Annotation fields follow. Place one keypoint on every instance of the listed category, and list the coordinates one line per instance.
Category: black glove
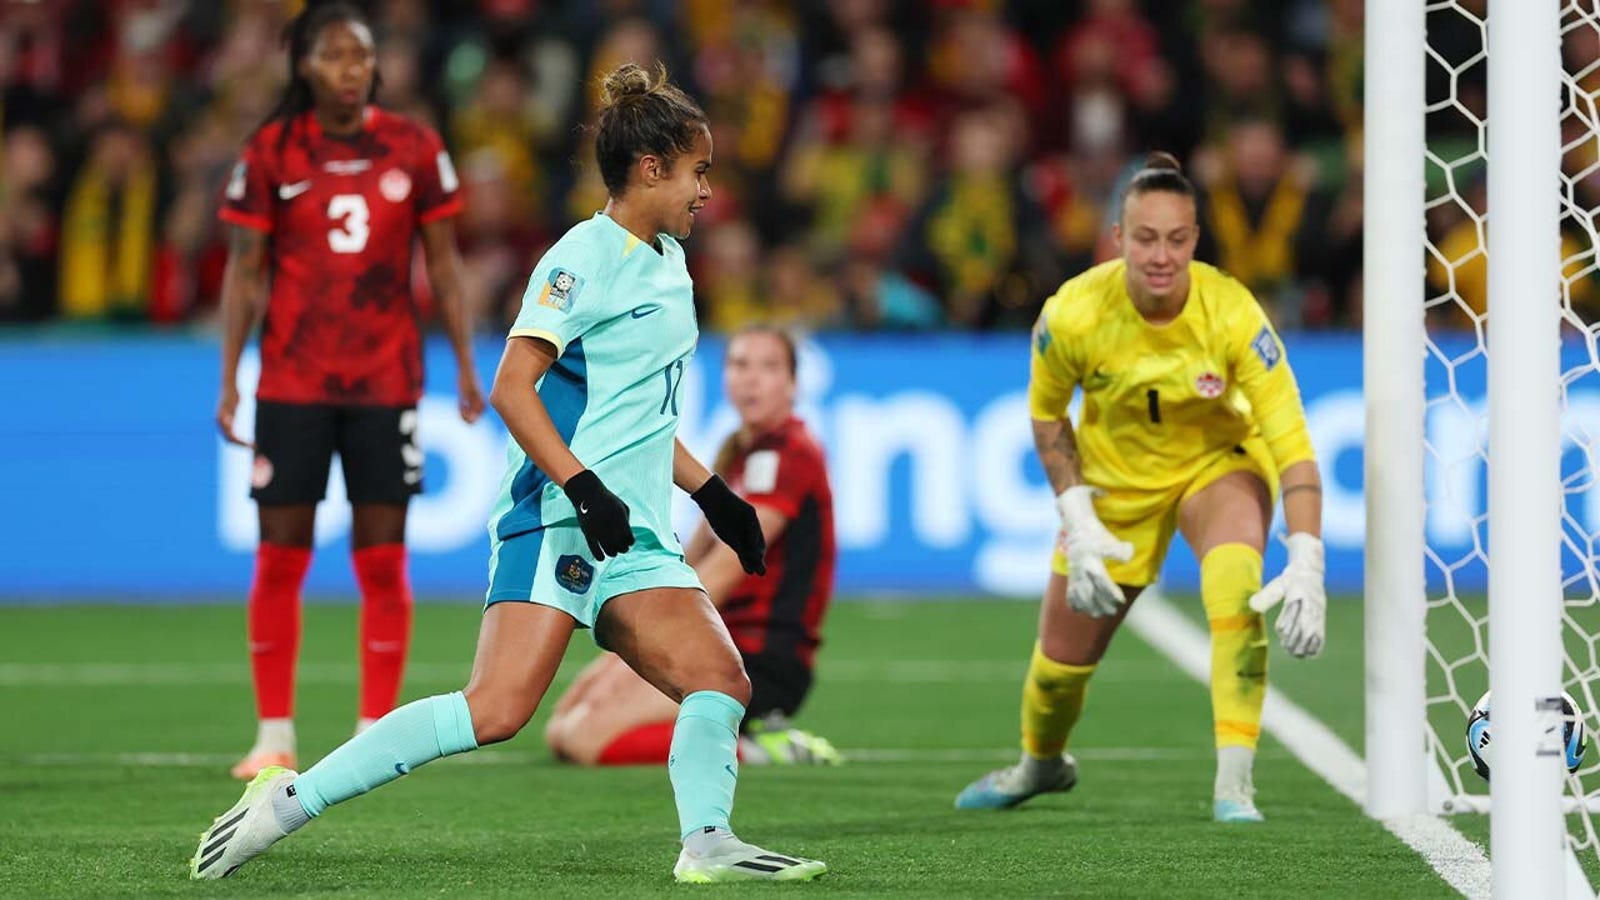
(601, 514)
(735, 522)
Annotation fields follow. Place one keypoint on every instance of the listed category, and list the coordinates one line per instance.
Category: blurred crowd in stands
(880, 164)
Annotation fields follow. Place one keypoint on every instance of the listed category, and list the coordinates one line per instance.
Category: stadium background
(905, 181)
(894, 178)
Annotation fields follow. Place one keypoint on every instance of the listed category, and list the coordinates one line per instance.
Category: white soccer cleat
(734, 860)
(245, 831)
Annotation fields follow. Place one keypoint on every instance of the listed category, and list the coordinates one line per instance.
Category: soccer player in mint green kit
(581, 537)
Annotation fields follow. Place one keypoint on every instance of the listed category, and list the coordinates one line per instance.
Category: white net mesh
(1457, 428)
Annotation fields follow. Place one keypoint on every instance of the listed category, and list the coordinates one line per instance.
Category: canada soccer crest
(395, 186)
(1210, 385)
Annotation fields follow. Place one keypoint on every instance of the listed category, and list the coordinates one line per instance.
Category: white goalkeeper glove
(1088, 545)
(1303, 621)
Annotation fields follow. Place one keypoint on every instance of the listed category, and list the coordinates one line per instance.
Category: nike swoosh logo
(401, 768)
(291, 191)
(583, 508)
(643, 311)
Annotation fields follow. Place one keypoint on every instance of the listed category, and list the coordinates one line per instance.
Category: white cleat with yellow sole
(245, 831)
(734, 860)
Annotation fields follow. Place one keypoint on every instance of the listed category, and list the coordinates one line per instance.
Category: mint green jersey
(621, 316)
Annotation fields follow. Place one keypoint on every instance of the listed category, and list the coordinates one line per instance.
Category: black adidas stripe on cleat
(759, 867)
(206, 863)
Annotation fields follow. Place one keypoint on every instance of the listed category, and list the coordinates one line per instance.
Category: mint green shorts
(552, 567)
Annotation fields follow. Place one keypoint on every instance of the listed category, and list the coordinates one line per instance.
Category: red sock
(274, 626)
(385, 624)
(645, 745)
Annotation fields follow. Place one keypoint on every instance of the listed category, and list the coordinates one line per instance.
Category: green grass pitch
(120, 724)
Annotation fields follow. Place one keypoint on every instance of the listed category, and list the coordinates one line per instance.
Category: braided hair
(300, 35)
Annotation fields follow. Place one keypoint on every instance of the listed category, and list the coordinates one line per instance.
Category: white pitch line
(886, 755)
(182, 674)
(185, 674)
(1461, 863)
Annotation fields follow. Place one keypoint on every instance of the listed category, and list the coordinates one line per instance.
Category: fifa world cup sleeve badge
(560, 289)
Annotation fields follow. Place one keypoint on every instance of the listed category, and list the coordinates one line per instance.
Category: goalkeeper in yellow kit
(1191, 422)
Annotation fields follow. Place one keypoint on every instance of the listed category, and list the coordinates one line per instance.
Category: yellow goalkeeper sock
(1229, 575)
(1052, 700)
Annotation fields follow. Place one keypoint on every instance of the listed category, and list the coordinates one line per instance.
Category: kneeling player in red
(326, 204)
(611, 716)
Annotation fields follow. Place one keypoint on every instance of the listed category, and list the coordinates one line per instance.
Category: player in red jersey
(611, 716)
(326, 204)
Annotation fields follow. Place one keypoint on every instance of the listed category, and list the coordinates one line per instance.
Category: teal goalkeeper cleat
(1236, 812)
(1011, 786)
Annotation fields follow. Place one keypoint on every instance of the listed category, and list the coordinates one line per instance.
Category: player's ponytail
(732, 448)
(299, 36)
(642, 113)
(1161, 172)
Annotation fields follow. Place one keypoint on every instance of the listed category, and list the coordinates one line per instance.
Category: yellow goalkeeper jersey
(1160, 401)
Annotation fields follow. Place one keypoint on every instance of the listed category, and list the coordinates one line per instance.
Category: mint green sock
(417, 733)
(704, 760)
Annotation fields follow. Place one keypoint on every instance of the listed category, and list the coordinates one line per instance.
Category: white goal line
(1461, 863)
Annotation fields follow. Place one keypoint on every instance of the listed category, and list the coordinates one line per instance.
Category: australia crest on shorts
(1210, 385)
(574, 573)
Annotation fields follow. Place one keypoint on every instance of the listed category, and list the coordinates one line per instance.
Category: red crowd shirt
(343, 214)
(781, 612)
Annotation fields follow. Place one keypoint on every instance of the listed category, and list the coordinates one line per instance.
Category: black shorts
(295, 443)
(778, 683)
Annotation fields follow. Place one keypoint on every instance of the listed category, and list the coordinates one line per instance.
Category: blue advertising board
(115, 484)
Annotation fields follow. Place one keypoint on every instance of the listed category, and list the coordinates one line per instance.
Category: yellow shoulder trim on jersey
(542, 334)
(631, 245)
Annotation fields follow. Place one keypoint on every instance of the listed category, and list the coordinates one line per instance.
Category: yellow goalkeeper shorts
(1147, 519)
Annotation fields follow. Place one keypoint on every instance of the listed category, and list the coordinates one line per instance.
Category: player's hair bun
(642, 112)
(1161, 159)
(630, 80)
(1162, 173)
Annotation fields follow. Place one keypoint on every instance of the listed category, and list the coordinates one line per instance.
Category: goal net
(1456, 377)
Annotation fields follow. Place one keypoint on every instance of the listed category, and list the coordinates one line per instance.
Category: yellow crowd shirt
(1160, 401)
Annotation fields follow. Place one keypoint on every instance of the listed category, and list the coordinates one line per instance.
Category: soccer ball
(1574, 743)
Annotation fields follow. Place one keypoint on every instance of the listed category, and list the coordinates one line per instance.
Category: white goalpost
(1471, 403)
(1392, 349)
(1526, 828)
